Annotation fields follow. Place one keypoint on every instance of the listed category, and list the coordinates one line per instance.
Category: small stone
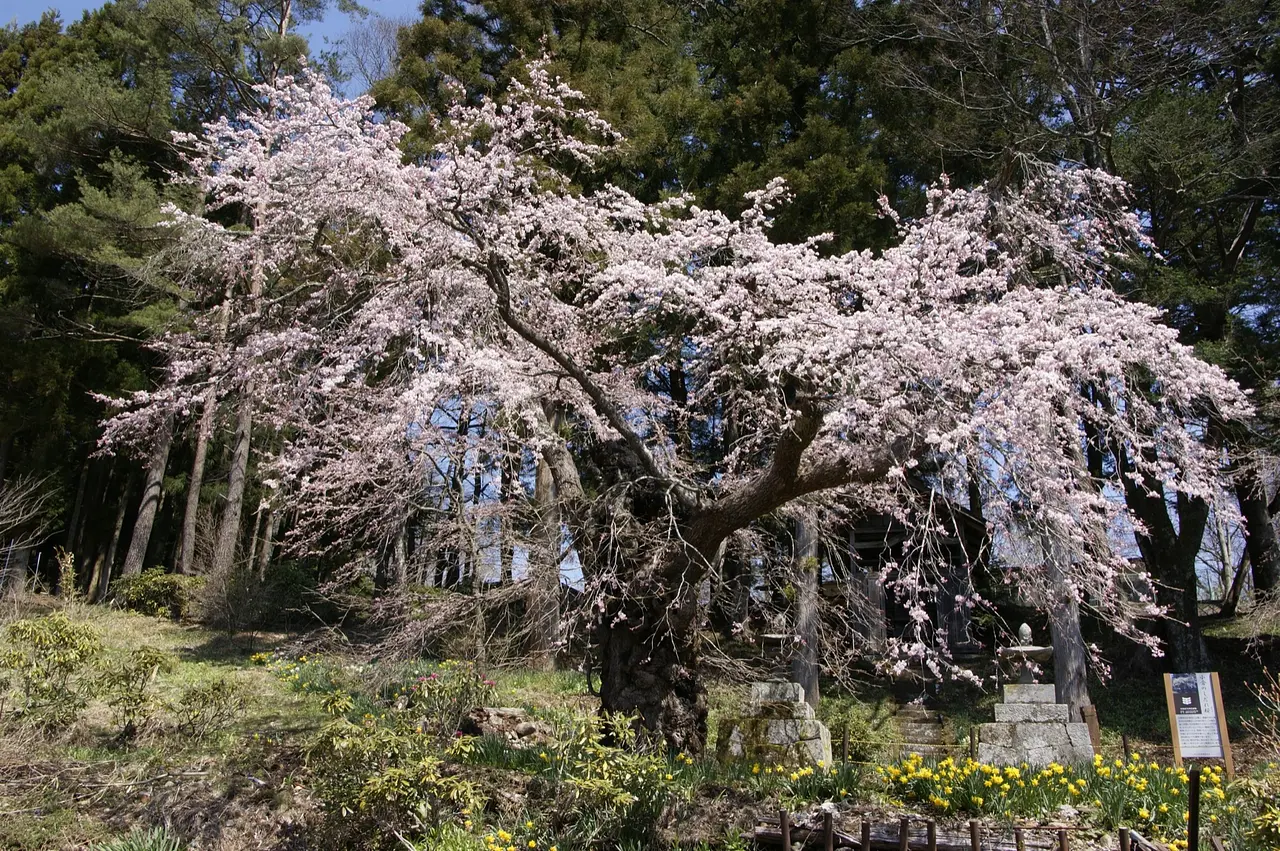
(524, 728)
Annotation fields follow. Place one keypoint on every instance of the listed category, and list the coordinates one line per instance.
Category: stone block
(1030, 693)
(775, 741)
(785, 731)
(1078, 733)
(999, 735)
(815, 751)
(1031, 712)
(1035, 743)
(800, 711)
(777, 692)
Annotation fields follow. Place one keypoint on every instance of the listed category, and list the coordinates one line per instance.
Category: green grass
(77, 785)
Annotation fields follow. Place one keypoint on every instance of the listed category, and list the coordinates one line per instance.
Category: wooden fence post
(828, 832)
(784, 823)
(904, 834)
(1193, 809)
(1019, 841)
(975, 836)
(931, 834)
(1124, 839)
(1089, 714)
(866, 835)
(1064, 840)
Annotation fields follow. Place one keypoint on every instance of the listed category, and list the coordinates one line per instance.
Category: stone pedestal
(1032, 727)
(779, 728)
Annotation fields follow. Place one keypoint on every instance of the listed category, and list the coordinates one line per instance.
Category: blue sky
(332, 27)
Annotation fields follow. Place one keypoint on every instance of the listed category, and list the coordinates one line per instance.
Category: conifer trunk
(224, 551)
(1070, 655)
(804, 664)
(191, 514)
(1260, 534)
(151, 493)
(543, 600)
(103, 575)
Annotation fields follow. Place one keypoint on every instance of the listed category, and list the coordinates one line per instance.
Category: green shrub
(208, 707)
(158, 594)
(377, 780)
(154, 839)
(620, 789)
(125, 686)
(869, 731)
(441, 698)
(50, 660)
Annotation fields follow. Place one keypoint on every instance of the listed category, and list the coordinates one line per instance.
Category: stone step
(934, 734)
(1032, 712)
(1030, 693)
(914, 714)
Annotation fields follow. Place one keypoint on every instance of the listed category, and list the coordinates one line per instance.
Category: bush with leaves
(378, 780)
(208, 707)
(441, 698)
(126, 687)
(159, 594)
(51, 663)
(614, 787)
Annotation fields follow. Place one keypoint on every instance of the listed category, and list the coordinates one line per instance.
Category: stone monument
(779, 728)
(1031, 726)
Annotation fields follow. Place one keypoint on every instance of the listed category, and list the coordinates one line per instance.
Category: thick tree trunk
(191, 514)
(1260, 533)
(649, 666)
(732, 593)
(804, 664)
(1170, 556)
(151, 493)
(1070, 655)
(224, 551)
(400, 559)
(543, 600)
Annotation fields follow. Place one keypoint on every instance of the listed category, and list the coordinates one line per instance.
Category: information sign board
(1196, 718)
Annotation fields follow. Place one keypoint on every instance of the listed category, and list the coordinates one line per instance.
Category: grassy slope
(66, 787)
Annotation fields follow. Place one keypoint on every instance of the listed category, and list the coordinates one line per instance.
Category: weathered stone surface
(776, 742)
(781, 732)
(916, 715)
(1080, 739)
(995, 735)
(802, 711)
(1034, 743)
(1030, 693)
(776, 692)
(1033, 712)
(780, 728)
